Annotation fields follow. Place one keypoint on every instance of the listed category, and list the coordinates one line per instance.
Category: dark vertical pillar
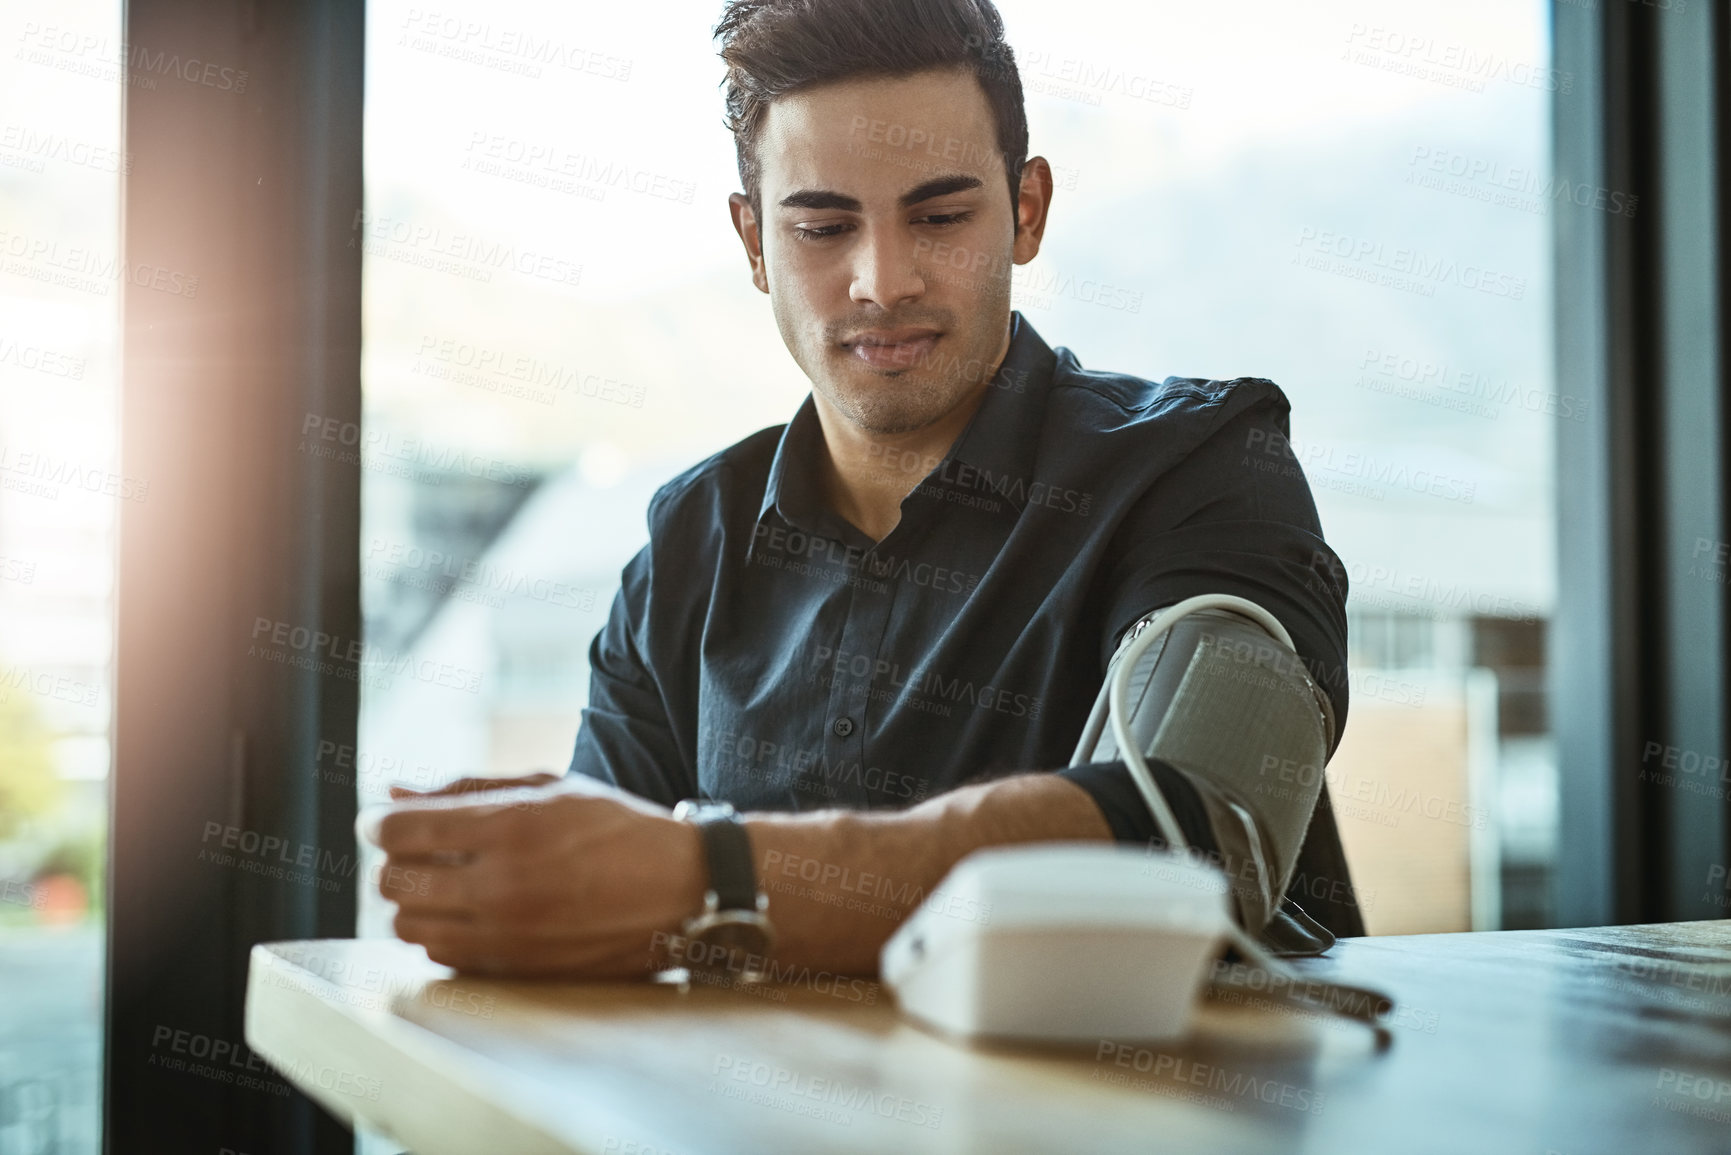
(241, 324)
(1691, 402)
(1639, 668)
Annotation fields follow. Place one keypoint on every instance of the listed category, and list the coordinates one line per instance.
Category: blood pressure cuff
(1218, 707)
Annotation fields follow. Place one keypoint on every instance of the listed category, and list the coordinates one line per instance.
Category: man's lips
(892, 348)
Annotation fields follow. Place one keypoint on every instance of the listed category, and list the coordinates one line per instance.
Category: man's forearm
(841, 881)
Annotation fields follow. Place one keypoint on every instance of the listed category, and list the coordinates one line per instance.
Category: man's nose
(886, 270)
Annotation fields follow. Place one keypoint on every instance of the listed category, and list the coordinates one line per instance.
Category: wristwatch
(733, 931)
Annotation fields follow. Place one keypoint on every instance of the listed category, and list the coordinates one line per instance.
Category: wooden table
(1607, 1040)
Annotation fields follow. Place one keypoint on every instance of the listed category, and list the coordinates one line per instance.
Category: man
(878, 629)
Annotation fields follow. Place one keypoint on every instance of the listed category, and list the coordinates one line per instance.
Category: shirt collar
(997, 448)
(794, 488)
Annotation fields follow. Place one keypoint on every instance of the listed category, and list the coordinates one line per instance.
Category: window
(1350, 198)
(60, 488)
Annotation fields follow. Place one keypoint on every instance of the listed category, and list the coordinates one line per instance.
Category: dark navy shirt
(765, 651)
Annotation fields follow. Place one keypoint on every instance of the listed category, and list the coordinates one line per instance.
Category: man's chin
(847, 366)
(883, 417)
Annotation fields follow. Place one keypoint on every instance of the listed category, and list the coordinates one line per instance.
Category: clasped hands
(538, 876)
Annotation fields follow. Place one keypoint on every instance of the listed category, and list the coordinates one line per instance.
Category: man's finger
(426, 929)
(430, 888)
(474, 785)
(431, 827)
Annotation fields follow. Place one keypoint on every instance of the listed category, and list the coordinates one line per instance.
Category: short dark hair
(774, 47)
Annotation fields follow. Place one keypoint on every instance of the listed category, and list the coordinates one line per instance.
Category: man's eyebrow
(809, 198)
(938, 187)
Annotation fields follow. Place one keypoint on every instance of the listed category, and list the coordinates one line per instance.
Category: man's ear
(745, 224)
(1032, 203)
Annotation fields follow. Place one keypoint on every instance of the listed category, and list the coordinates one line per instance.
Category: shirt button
(843, 727)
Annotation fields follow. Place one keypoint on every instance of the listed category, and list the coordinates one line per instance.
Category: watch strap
(727, 849)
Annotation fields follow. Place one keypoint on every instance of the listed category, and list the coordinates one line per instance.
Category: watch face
(736, 941)
(737, 936)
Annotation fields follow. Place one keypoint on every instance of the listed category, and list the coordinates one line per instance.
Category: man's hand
(540, 878)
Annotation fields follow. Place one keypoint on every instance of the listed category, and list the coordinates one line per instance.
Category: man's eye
(817, 232)
(956, 218)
